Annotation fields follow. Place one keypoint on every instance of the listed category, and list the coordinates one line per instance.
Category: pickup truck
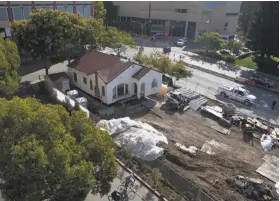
(237, 93)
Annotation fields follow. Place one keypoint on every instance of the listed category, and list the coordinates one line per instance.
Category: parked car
(262, 81)
(237, 93)
(181, 42)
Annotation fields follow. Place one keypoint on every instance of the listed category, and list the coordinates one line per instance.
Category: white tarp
(140, 138)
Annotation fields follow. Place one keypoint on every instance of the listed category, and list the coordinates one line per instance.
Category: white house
(110, 79)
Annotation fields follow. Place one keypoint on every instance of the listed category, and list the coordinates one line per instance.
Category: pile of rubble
(253, 188)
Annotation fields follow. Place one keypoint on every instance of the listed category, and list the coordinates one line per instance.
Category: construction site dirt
(213, 173)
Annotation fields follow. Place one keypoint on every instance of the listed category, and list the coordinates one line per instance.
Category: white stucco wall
(80, 84)
(148, 79)
(86, 87)
(125, 78)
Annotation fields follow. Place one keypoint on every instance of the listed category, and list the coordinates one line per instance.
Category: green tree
(47, 153)
(9, 64)
(163, 63)
(99, 10)
(93, 33)
(118, 40)
(179, 70)
(210, 41)
(246, 17)
(234, 46)
(47, 34)
(264, 31)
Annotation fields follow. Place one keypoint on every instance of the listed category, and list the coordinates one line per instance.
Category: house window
(120, 89)
(85, 80)
(103, 91)
(114, 92)
(177, 10)
(154, 83)
(126, 88)
(75, 76)
(226, 26)
(90, 85)
(231, 14)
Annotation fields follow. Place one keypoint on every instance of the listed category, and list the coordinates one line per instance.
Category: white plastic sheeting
(140, 138)
(191, 149)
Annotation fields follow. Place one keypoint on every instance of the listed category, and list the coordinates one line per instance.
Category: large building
(180, 19)
(19, 10)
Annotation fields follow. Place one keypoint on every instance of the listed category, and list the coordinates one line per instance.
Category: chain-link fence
(259, 109)
(189, 190)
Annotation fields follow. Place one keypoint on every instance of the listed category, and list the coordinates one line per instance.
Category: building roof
(141, 73)
(108, 67)
(57, 76)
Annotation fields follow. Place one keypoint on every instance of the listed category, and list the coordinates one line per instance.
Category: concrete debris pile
(140, 138)
(253, 188)
(213, 147)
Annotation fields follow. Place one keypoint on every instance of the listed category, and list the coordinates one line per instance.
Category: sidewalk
(142, 192)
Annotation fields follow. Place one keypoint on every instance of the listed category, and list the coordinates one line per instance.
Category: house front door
(142, 93)
(135, 88)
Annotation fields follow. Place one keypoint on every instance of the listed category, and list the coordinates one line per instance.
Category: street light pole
(142, 25)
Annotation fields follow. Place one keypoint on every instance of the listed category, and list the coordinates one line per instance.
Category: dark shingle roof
(56, 76)
(139, 74)
(108, 67)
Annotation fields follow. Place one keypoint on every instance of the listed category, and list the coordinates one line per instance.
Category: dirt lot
(213, 173)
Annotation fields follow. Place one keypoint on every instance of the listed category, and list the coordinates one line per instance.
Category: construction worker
(273, 104)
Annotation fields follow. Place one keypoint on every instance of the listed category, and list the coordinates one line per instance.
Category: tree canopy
(246, 17)
(93, 33)
(233, 45)
(9, 64)
(264, 30)
(163, 63)
(118, 40)
(47, 153)
(48, 33)
(210, 41)
(56, 34)
(99, 10)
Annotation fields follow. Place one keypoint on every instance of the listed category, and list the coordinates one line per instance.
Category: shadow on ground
(28, 68)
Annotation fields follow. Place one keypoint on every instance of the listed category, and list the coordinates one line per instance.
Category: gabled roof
(108, 67)
(141, 73)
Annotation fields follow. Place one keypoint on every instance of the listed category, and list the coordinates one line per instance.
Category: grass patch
(247, 62)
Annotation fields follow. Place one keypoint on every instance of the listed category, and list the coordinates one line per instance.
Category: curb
(224, 76)
(161, 197)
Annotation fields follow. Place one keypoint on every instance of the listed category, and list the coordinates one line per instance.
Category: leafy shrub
(213, 55)
(229, 58)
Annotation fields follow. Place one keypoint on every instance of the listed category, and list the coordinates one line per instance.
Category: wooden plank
(269, 171)
(273, 160)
